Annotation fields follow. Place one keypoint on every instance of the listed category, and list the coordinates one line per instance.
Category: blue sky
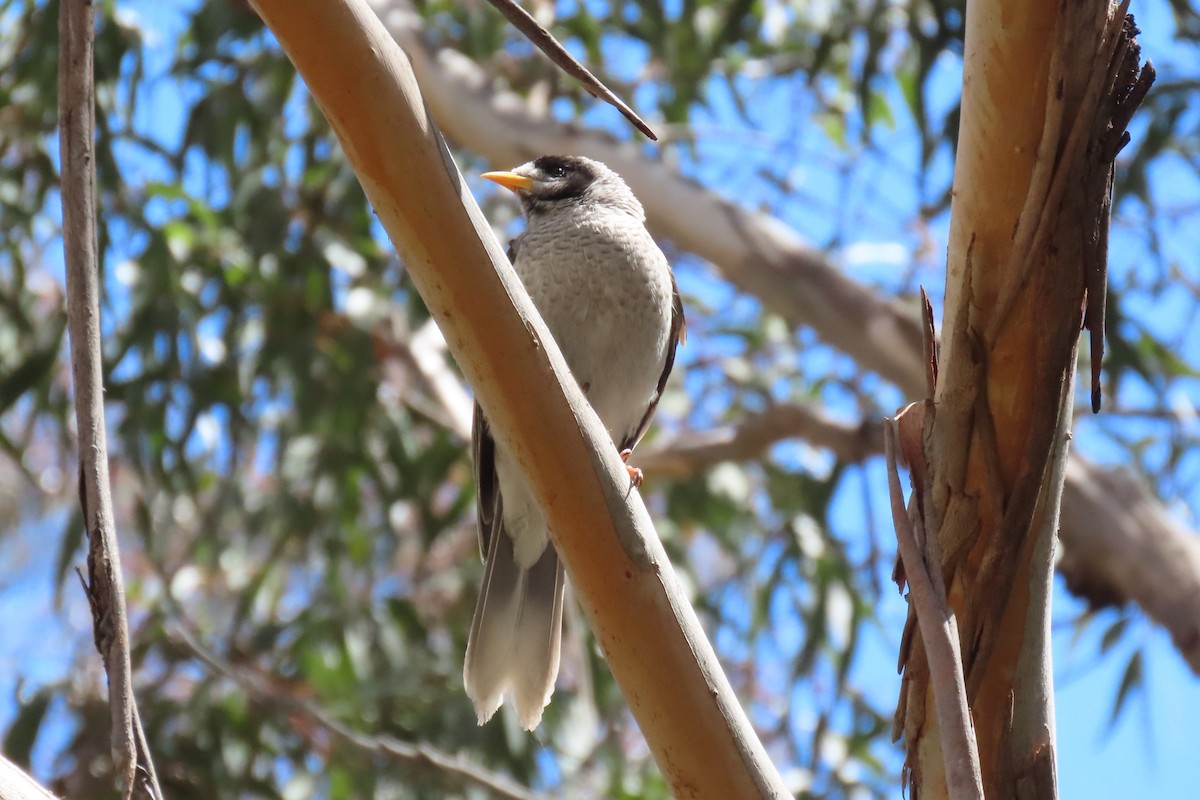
(1146, 753)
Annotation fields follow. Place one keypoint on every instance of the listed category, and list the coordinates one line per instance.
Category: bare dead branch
(269, 691)
(523, 21)
(940, 634)
(105, 589)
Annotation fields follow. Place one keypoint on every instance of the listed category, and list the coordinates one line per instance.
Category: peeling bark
(1023, 240)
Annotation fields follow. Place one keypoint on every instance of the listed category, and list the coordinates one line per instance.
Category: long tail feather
(514, 645)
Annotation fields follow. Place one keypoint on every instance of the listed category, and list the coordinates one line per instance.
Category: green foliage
(290, 493)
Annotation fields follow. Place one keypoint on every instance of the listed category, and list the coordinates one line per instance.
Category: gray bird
(609, 298)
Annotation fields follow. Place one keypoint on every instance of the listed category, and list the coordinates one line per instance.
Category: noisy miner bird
(609, 298)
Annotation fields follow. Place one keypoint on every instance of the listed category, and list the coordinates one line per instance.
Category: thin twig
(105, 590)
(261, 688)
(541, 38)
(940, 634)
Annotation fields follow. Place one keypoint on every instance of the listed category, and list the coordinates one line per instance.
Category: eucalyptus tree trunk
(1047, 90)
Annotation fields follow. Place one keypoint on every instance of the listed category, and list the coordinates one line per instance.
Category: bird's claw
(635, 475)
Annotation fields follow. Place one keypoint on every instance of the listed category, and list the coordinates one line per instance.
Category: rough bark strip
(940, 634)
(105, 589)
(1127, 90)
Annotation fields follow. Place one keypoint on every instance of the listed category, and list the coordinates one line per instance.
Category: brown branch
(940, 634)
(523, 21)
(1014, 296)
(1120, 544)
(104, 587)
(266, 690)
(750, 437)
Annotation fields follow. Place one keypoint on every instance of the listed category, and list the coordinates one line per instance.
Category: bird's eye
(557, 171)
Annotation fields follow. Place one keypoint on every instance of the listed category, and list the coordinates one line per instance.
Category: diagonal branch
(16, 785)
(104, 587)
(523, 21)
(699, 734)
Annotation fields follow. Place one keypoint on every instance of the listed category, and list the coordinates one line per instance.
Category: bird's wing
(487, 486)
(483, 457)
(677, 336)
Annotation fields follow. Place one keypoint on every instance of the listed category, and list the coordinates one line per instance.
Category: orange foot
(635, 474)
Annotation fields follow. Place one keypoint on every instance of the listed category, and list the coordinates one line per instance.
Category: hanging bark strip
(939, 630)
(104, 587)
(1109, 136)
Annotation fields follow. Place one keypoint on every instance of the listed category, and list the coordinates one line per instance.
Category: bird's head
(551, 184)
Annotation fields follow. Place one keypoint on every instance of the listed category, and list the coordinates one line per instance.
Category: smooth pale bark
(666, 668)
(16, 785)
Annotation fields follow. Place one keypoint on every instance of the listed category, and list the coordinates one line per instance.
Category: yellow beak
(510, 180)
